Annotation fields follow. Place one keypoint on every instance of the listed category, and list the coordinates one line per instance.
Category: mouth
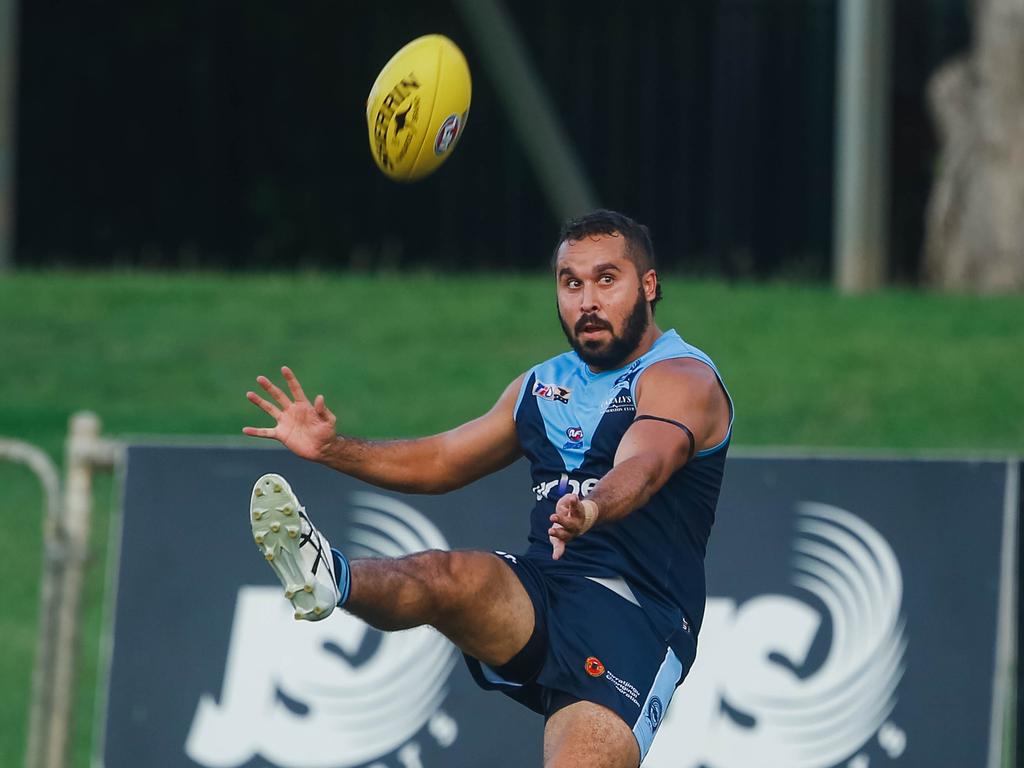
(592, 329)
(591, 326)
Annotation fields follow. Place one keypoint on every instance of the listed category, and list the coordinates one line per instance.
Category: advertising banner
(853, 619)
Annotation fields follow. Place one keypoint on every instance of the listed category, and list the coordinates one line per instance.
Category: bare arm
(652, 450)
(434, 464)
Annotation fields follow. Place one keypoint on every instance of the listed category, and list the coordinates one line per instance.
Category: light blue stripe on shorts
(653, 710)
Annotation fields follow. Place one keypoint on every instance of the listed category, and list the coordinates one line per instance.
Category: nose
(588, 298)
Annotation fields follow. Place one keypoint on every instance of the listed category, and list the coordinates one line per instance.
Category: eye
(606, 279)
(573, 282)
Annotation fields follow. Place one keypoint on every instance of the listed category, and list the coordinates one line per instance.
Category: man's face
(602, 302)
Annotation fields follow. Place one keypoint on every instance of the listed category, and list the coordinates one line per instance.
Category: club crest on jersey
(551, 392)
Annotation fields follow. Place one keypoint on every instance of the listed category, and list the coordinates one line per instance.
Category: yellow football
(418, 106)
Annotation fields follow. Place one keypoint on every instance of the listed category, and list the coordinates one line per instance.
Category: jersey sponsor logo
(593, 666)
(621, 403)
(763, 687)
(624, 687)
(556, 489)
(551, 392)
(297, 694)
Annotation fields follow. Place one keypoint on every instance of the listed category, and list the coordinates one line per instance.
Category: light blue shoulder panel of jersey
(671, 346)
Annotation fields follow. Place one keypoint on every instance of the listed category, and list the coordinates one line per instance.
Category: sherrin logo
(399, 109)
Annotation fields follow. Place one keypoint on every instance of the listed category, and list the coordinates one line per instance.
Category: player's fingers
(559, 531)
(293, 384)
(263, 405)
(566, 506)
(274, 391)
(562, 522)
(557, 548)
(321, 407)
(259, 432)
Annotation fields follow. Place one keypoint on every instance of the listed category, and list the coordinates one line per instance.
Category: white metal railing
(65, 548)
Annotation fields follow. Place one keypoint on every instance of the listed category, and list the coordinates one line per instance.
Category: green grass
(401, 355)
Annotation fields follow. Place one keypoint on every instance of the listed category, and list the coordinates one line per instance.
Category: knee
(454, 577)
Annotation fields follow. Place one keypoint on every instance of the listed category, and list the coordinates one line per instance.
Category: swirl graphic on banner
(746, 701)
(853, 571)
(329, 694)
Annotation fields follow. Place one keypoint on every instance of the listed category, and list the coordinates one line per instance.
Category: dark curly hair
(639, 249)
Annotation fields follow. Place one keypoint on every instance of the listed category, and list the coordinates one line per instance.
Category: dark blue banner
(852, 620)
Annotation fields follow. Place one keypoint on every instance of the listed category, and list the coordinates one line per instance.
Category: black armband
(686, 429)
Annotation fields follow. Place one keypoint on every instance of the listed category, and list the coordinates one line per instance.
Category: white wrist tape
(589, 513)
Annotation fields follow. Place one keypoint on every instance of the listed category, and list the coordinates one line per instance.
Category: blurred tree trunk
(974, 236)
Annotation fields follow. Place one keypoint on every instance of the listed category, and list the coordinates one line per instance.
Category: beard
(609, 355)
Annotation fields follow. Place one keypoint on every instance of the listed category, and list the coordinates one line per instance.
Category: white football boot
(299, 554)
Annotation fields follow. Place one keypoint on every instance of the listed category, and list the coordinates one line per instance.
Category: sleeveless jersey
(569, 422)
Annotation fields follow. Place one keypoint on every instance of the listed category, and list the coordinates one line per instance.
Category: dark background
(222, 133)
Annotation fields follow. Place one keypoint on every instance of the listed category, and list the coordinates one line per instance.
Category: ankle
(343, 572)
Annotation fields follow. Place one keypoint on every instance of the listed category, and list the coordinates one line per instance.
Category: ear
(650, 284)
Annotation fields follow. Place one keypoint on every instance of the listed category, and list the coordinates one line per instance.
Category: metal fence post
(53, 557)
(861, 199)
(66, 548)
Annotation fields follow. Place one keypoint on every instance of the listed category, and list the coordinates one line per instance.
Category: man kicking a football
(596, 623)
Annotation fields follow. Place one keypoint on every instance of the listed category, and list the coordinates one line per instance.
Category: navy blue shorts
(591, 644)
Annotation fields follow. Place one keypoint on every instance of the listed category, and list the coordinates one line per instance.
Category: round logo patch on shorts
(594, 666)
(654, 712)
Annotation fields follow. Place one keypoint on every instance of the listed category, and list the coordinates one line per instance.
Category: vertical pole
(861, 193)
(49, 598)
(528, 108)
(81, 445)
(8, 79)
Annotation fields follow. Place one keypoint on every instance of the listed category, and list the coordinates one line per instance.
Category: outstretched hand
(305, 428)
(573, 517)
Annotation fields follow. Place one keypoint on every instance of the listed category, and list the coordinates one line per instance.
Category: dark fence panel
(232, 134)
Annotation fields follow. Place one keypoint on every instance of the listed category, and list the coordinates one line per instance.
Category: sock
(344, 575)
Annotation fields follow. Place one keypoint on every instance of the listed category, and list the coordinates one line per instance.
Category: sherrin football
(418, 106)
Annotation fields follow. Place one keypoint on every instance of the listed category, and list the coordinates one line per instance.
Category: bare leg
(472, 598)
(587, 735)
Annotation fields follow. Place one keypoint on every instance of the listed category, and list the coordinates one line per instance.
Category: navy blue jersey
(569, 421)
